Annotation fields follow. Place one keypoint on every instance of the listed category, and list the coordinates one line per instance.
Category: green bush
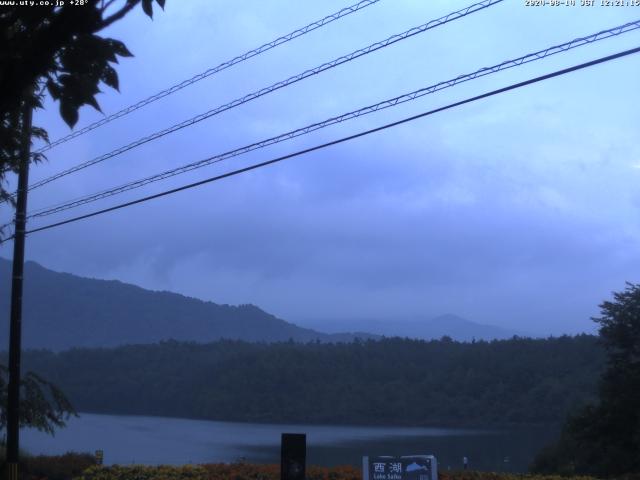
(59, 467)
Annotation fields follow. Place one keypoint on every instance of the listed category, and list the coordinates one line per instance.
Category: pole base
(12, 471)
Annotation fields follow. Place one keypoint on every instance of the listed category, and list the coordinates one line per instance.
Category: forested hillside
(392, 381)
(62, 311)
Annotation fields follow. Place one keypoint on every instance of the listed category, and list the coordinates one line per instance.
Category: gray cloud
(521, 210)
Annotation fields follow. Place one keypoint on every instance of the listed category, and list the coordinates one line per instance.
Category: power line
(13, 230)
(212, 71)
(615, 31)
(343, 139)
(276, 86)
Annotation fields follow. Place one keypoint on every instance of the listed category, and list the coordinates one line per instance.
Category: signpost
(410, 467)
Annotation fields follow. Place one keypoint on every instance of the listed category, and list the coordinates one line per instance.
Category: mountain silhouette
(62, 311)
(424, 328)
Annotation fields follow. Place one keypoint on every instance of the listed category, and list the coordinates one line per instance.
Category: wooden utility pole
(15, 327)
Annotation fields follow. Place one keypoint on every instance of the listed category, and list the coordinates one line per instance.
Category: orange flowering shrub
(217, 471)
(247, 471)
(473, 475)
(141, 472)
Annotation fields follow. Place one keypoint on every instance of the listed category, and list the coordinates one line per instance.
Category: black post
(15, 328)
(293, 456)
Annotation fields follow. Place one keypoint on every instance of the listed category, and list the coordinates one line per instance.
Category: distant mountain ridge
(62, 311)
(450, 325)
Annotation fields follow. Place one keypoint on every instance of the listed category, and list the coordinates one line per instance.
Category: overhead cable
(276, 86)
(212, 71)
(340, 140)
(531, 57)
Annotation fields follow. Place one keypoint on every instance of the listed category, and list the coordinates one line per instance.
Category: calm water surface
(159, 440)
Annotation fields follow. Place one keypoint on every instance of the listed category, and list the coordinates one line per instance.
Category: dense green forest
(392, 381)
(602, 439)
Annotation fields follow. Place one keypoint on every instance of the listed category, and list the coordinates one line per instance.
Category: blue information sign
(409, 467)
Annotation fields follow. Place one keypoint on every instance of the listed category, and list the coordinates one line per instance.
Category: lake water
(158, 440)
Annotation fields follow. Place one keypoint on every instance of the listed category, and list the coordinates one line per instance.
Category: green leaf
(91, 100)
(54, 90)
(119, 48)
(147, 6)
(110, 77)
(39, 132)
(69, 112)
(37, 157)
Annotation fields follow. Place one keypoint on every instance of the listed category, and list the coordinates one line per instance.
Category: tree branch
(104, 6)
(119, 14)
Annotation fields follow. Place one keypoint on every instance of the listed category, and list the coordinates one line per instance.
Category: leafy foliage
(474, 475)
(54, 48)
(215, 471)
(393, 381)
(42, 405)
(57, 467)
(139, 472)
(242, 471)
(603, 439)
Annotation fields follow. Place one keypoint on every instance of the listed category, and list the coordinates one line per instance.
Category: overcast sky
(520, 210)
